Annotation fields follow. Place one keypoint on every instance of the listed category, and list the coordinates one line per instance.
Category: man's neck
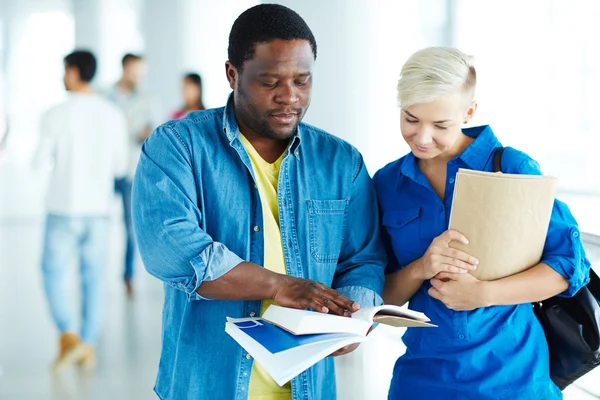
(84, 88)
(269, 149)
(125, 87)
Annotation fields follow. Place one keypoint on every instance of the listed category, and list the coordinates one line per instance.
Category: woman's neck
(441, 160)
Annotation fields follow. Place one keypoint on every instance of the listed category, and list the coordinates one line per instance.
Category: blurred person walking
(138, 108)
(84, 138)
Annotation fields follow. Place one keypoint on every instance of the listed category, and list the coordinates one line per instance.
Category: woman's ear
(471, 111)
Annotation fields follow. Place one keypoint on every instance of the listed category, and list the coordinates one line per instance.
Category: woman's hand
(459, 292)
(440, 257)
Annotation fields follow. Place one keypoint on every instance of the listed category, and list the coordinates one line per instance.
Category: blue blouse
(497, 352)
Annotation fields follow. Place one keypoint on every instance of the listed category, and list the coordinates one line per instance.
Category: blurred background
(538, 68)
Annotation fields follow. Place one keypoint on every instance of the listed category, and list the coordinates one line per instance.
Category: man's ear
(232, 75)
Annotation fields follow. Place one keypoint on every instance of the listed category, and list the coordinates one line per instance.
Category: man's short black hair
(130, 57)
(264, 23)
(84, 61)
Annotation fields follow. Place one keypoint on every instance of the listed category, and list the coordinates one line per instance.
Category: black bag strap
(594, 285)
(497, 160)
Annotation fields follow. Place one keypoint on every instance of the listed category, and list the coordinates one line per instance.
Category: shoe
(70, 351)
(129, 288)
(88, 359)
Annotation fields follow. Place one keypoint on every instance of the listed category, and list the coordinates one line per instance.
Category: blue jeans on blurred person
(123, 188)
(87, 239)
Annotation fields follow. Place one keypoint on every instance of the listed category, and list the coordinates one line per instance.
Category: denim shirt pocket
(327, 227)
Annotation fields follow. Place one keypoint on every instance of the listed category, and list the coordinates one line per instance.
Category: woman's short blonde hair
(433, 73)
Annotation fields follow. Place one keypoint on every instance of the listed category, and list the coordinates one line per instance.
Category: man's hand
(248, 281)
(345, 350)
(303, 293)
(459, 292)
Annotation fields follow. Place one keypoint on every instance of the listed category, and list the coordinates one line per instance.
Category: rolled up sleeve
(563, 249)
(167, 220)
(360, 269)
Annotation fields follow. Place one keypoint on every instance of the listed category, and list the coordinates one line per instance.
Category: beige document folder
(505, 217)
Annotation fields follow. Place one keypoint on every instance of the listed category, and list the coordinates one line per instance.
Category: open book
(287, 341)
(505, 217)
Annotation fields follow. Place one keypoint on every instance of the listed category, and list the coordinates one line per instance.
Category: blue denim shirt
(197, 214)
(490, 353)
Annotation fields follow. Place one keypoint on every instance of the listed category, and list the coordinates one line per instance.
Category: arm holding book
(562, 271)
(465, 292)
(400, 286)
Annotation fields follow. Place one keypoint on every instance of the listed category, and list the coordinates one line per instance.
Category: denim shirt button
(451, 180)
(256, 228)
(575, 234)
(461, 336)
(248, 356)
(253, 314)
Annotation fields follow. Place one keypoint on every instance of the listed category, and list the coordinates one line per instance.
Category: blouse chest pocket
(404, 229)
(327, 226)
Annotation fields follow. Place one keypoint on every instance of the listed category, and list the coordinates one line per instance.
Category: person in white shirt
(139, 111)
(85, 141)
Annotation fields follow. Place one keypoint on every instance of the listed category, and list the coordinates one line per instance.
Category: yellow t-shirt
(262, 386)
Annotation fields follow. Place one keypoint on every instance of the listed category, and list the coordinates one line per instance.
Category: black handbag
(571, 325)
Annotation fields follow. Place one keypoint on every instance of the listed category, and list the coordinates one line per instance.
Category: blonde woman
(488, 345)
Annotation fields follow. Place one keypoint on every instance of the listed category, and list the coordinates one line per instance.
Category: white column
(88, 25)
(165, 29)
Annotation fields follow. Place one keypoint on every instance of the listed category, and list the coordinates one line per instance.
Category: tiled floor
(129, 348)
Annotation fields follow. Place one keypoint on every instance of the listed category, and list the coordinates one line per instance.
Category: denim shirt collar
(475, 156)
(232, 129)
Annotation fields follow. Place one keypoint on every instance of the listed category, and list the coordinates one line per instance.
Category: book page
(402, 322)
(368, 314)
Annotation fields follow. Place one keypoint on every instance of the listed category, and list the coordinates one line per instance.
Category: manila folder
(505, 217)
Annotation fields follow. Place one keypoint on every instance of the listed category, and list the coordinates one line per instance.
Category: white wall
(207, 39)
(37, 35)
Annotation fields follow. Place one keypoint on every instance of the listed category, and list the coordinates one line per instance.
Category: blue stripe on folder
(276, 339)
